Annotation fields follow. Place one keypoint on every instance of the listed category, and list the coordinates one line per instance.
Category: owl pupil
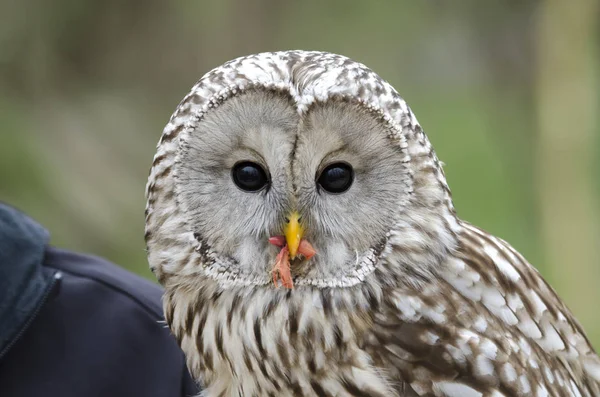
(336, 178)
(249, 176)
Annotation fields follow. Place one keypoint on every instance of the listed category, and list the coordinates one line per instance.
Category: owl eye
(249, 176)
(336, 178)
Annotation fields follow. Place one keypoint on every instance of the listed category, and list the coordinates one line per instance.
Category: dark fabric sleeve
(189, 388)
(98, 335)
(23, 284)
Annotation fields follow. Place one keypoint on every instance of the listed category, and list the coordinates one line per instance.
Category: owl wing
(490, 326)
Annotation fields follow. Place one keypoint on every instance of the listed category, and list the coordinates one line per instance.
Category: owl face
(298, 149)
(255, 164)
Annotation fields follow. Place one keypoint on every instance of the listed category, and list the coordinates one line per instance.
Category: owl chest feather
(279, 344)
(362, 341)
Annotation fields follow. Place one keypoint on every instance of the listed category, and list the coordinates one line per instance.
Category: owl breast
(257, 343)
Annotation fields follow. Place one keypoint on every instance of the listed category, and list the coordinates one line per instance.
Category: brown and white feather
(438, 308)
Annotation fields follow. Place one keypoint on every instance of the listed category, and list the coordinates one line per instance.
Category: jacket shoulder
(135, 288)
(100, 332)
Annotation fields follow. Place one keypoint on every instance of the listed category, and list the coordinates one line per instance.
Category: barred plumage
(402, 298)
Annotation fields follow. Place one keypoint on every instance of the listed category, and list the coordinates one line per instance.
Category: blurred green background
(508, 92)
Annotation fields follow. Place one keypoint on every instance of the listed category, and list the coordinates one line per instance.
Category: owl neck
(426, 230)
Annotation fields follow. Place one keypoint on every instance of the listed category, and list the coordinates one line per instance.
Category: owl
(302, 227)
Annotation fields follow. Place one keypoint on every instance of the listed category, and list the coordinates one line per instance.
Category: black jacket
(76, 325)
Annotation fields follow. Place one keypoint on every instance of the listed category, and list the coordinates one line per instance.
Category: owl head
(289, 149)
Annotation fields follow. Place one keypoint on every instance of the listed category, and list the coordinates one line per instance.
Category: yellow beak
(293, 232)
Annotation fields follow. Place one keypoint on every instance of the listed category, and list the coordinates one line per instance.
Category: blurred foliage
(86, 87)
